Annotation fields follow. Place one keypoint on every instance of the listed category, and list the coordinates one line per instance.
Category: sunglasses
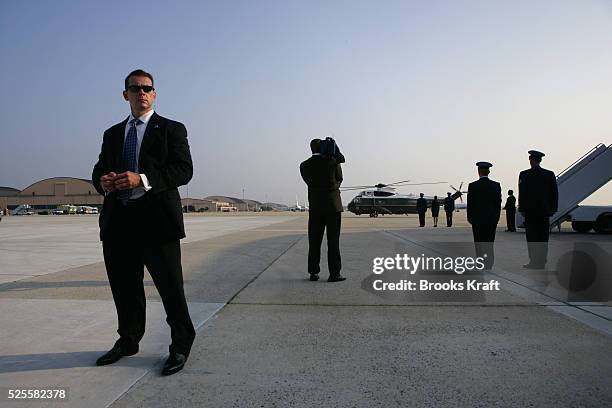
(137, 88)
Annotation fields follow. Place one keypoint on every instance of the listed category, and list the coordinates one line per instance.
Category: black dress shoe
(533, 266)
(114, 354)
(336, 278)
(314, 277)
(174, 363)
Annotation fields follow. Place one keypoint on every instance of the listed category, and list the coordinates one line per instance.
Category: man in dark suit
(483, 210)
(449, 207)
(143, 161)
(510, 208)
(421, 206)
(323, 175)
(538, 200)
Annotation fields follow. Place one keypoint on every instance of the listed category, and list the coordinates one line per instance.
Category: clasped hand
(122, 181)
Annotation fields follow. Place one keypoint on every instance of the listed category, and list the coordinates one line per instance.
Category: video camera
(329, 147)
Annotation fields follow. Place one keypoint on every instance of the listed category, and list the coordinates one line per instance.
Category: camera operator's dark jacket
(323, 175)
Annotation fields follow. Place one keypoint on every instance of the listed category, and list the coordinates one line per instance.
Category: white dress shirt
(140, 130)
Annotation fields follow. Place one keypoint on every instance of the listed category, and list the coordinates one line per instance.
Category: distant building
(52, 192)
(199, 205)
(239, 204)
(5, 193)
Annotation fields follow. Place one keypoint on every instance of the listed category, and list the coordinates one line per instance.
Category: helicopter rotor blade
(398, 182)
(355, 188)
(422, 184)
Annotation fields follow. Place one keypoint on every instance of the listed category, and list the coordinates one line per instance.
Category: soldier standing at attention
(449, 207)
(421, 205)
(483, 209)
(538, 201)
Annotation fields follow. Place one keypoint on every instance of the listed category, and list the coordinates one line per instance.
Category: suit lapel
(118, 138)
(149, 134)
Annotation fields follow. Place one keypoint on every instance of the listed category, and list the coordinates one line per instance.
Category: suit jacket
(538, 194)
(510, 204)
(323, 175)
(166, 161)
(449, 204)
(484, 202)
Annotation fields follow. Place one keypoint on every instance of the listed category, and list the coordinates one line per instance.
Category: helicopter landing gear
(374, 214)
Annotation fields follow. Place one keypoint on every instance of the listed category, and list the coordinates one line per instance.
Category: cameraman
(323, 175)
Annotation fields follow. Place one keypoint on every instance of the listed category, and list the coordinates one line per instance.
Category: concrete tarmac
(268, 337)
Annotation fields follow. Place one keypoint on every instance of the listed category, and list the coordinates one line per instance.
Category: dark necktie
(129, 155)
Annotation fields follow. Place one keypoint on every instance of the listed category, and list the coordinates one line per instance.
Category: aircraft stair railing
(581, 179)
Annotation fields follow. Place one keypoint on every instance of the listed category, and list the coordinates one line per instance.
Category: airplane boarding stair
(581, 179)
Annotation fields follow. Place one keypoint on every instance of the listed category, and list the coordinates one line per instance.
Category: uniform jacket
(484, 201)
(421, 205)
(538, 194)
(449, 204)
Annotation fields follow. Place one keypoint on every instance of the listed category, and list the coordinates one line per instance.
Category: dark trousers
(125, 257)
(317, 223)
(421, 219)
(537, 230)
(511, 220)
(449, 218)
(484, 237)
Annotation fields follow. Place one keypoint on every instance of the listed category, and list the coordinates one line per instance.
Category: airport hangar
(50, 193)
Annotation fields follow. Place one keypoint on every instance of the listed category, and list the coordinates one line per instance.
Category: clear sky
(410, 90)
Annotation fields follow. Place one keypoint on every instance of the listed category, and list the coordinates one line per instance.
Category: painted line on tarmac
(155, 368)
(584, 316)
(265, 269)
(445, 304)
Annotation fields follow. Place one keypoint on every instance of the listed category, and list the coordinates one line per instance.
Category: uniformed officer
(510, 208)
(538, 200)
(449, 207)
(421, 205)
(483, 210)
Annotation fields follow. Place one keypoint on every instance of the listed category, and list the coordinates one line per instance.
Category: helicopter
(381, 199)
